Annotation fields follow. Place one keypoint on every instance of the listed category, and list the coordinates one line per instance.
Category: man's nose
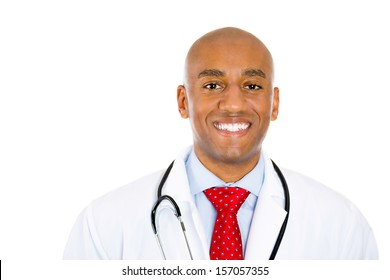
(232, 99)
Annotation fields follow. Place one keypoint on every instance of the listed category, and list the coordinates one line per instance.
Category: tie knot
(227, 199)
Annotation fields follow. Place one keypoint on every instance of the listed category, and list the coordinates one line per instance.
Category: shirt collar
(200, 178)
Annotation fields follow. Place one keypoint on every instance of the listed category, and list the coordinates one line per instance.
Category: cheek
(197, 114)
(200, 108)
(262, 108)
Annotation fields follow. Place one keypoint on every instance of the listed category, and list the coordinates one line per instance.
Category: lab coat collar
(267, 219)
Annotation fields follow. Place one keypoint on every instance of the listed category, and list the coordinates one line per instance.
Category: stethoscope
(177, 213)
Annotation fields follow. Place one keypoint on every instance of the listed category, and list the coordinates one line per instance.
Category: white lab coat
(322, 223)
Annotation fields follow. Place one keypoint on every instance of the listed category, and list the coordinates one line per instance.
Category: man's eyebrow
(254, 72)
(211, 72)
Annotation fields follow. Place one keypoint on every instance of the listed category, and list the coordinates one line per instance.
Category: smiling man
(228, 95)
(235, 203)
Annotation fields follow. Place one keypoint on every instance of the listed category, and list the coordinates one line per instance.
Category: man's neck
(228, 171)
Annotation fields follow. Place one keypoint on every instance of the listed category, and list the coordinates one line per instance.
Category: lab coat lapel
(177, 186)
(268, 216)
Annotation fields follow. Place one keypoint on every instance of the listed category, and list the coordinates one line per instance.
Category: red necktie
(226, 242)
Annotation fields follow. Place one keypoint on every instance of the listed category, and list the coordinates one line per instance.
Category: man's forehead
(250, 72)
(235, 55)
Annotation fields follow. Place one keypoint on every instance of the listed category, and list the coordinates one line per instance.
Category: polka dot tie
(226, 242)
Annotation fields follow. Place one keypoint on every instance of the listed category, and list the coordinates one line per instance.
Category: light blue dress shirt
(200, 179)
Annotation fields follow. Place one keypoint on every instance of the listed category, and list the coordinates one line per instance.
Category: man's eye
(253, 87)
(212, 86)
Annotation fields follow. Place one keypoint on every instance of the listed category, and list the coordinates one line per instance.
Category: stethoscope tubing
(286, 208)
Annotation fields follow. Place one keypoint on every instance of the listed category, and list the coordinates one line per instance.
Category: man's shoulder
(311, 194)
(137, 196)
(307, 185)
(143, 189)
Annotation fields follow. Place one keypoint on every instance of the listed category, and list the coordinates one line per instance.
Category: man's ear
(182, 101)
(275, 105)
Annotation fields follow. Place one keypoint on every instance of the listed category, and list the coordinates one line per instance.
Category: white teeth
(231, 127)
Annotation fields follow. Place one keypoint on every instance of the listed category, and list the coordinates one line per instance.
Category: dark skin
(229, 98)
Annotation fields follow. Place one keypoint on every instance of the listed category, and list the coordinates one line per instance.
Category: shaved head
(225, 41)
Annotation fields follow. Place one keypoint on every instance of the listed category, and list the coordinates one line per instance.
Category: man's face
(229, 98)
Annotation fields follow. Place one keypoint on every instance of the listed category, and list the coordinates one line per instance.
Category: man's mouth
(232, 127)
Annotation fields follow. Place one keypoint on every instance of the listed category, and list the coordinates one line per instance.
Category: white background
(88, 102)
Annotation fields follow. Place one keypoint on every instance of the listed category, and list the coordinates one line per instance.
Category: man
(231, 199)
